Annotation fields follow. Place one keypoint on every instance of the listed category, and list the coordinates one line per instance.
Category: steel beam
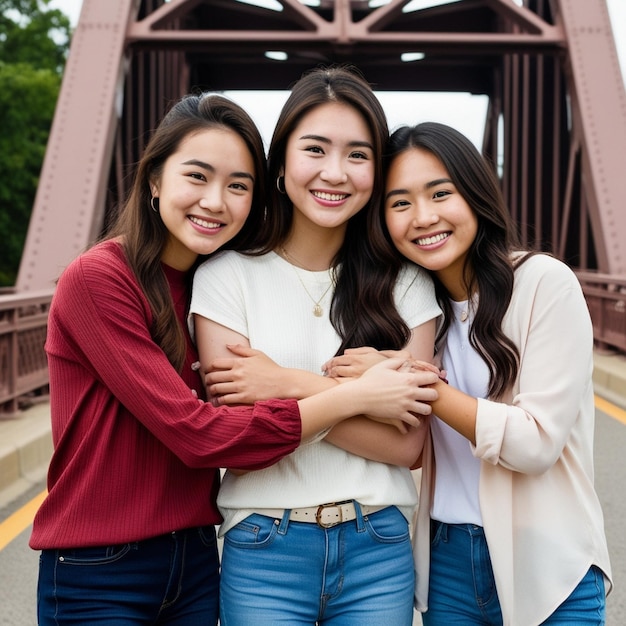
(70, 201)
(549, 68)
(598, 106)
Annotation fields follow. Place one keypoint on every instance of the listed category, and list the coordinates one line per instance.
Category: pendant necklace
(461, 309)
(318, 311)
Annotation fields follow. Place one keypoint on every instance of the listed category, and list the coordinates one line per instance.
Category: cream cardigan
(542, 518)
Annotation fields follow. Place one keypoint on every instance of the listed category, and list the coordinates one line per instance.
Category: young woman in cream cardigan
(510, 529)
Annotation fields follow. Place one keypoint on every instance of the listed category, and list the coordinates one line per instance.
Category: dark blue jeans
(463, 590)
(172, 579)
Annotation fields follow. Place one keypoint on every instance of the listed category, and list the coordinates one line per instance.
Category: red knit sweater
(136, 455)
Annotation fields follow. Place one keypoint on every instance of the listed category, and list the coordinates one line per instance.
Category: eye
(197, 176)
(239, 186)
(400, 205)
(314, 149)
(359, 155)
(440, 195)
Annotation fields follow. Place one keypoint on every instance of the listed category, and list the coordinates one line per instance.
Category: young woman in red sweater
(127, 529)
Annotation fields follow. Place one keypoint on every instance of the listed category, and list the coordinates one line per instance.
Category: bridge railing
(24, 317)
(23, 364)
(606, 298)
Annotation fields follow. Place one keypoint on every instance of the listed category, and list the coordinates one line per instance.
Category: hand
(392, 391)
(354, 361)
(248, 376)
(424, 366)
(397, 423)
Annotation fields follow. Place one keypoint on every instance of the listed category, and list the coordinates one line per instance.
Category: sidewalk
(26, 443)
(25, 450)
(609, 377)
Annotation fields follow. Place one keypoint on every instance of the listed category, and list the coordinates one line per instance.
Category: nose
(423, 216)
(212, 199)
(334, 172)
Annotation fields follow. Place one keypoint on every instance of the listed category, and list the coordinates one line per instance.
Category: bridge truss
(556, 119)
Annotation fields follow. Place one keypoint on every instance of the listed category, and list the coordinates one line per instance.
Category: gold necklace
(318, 311)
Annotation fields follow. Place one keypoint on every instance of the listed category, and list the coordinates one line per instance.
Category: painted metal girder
(70, 202)
(130, 59)
(598, 105)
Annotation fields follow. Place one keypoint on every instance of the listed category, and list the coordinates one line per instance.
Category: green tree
(34, 43)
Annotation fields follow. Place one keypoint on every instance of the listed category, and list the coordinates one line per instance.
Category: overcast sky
(398, 106)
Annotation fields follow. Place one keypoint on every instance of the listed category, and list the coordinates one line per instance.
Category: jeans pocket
(100, 555)
(436, 530)
(388, 526)
(256, 531)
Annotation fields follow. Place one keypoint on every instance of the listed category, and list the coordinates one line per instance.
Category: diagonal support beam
(599, 109)
(69, 205)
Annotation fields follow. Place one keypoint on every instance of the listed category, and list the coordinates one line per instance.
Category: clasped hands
(354, 361)
(250, 375)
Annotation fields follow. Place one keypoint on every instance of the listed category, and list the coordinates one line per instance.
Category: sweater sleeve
(549, 321)
(102, 320)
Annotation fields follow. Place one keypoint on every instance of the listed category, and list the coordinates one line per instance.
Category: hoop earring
(283, 190)
(152, 205)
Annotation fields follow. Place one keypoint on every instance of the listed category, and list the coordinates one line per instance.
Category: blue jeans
(462, 589)
(356, 573)
(172, 579)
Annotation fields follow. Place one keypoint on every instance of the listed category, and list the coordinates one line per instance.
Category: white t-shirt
(455, 498)
(271, 302)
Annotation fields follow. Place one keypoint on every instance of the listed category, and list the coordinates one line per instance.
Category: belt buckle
(320, 510)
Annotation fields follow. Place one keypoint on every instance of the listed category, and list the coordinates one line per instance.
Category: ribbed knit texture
(136, 455)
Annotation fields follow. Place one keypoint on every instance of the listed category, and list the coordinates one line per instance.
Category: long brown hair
(362, 311)
(141, 230)
(489, 269)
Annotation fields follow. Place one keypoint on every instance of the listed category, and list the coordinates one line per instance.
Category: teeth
(330, 196)
(427, 241)
(204, 223)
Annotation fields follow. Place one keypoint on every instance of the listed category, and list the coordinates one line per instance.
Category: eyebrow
(438, 181)
(209, 168)
(428, 185)
(352, 144)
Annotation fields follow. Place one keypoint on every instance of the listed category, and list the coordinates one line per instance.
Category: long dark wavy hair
(141, 230)
(362, 311)
(489, 269)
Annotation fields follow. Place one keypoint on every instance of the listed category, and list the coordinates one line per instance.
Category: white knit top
(271, 303)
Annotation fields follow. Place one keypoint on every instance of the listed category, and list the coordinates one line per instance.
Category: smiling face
(329, 166)
(428, 220)
(205, 194)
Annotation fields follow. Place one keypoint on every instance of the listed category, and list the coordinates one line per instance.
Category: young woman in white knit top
(323, 535)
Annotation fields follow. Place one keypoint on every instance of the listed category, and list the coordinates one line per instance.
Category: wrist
(302, 384)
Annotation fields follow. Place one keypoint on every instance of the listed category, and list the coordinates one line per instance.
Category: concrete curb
(25, 451)
(26, 440)
(609, 377)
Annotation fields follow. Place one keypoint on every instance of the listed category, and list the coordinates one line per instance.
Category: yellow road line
(610, 409)
(20, 520)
